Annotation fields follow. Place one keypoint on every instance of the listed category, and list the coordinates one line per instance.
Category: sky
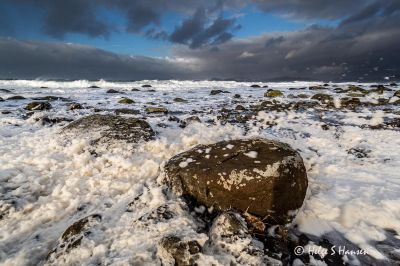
(261, 40)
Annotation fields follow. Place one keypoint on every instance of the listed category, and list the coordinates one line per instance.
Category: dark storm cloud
(363, 46)
(23, 59)
(193, 32)
(366, 50)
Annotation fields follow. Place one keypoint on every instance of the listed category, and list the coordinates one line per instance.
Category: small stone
(125, 100)
(126, 111)
(112, 91)
(215, 92)
(273, 93)
(174, 251)
(324, 98)
(152, 110)
(34, 106)
(75, 106)
(255, 86)
(146, 86)
(397, 94)
(237, 96)
(94, 87)
(180, 100)
(17, 97)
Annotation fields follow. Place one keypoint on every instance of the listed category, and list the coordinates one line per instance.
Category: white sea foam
(47, 183)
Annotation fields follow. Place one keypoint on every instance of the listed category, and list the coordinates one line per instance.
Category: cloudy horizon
(238, 40)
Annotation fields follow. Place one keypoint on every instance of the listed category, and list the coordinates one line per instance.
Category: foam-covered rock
(262, 177)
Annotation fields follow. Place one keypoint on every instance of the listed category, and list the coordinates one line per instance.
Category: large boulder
(261, 177)
(107, 128)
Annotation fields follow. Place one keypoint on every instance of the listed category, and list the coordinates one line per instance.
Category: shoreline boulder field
(199, 173)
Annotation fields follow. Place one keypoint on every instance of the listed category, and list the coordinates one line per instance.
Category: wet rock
(324, 98)
(126, 111)
(73, 235)
(112, 91)
(350, 102)
(353, 94)
(229, 234)
(215, 92)
(16, 97)
(237, 96)
(393, 84)
(397, 94)
(255, 86)
(152, 110)
(240, 108)
(38, 106)
(180, 100)
(1, 99)
(75, 106)
(273, 93)
(5, 91)
(53, 120)
(106, 128)
(174, 251)
(192, 119)
(146, 86)
(135, 89)
(379, 89)
(94, 87)
(263, 177)
(125, 100)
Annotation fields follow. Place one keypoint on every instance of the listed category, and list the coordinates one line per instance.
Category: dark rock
(324, 98)
(265, 86)
(180, 100)
(379, 89)
(227, 232)
(273, 93)
(152, 110)
(350, 102)
(6, 112)
(126, 111)
(53, 120)
(125, 100)
(255, 86)
(240, 108)
(5, 91)
(262, 177)
(111, 127)
(1, 99)
(35, 106)
(112, 91)
(146, 86)
(17, 97)
(135, 89)
(397, 94)
(237, 96)
(94, 87)
(393, 84)
(174, 251)
(215, 92)
(75, 106)
(192, 119)
(73, 235)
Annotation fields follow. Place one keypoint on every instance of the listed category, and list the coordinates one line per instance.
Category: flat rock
(264, 178)
(111, 127)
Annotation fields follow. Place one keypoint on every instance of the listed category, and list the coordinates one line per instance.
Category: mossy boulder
(38, 106)
(273, 93)
(264, 178)
(106, 128)
(324, 98)
(125, 100)
(152, 110)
